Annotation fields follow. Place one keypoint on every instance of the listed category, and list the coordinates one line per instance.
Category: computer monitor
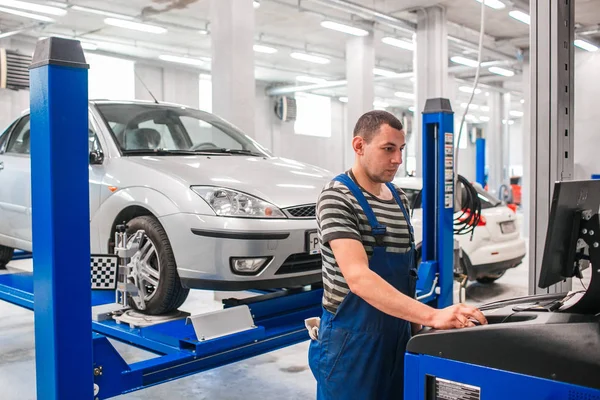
(572, 202)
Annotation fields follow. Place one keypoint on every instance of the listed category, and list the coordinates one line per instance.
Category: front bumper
(204, 246)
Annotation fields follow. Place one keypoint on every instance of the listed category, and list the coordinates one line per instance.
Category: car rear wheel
(6, 254)
(486, 280)
(156, 277)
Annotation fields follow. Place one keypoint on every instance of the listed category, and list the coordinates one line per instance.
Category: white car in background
(496, 244)
(218, 211)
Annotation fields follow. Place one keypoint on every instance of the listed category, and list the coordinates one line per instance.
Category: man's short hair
(369, 123)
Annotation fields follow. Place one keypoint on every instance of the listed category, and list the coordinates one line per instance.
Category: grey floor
(279, 374)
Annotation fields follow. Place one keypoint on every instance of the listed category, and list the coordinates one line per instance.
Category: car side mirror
(96, 157)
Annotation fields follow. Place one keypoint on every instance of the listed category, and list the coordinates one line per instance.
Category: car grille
(300, 263)
(307, 211)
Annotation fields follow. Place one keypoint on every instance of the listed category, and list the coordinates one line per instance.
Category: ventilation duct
(285, 108)
(14, 70)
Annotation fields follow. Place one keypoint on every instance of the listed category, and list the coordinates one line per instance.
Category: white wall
(587, 128)
(515, 147)
(279, 137)
(169, 84)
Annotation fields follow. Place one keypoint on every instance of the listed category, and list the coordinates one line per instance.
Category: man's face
(382, 156)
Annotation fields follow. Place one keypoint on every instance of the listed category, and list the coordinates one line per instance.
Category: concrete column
(494, 142)
(430, 65)
(360, 60)
(232, 34)
(505, 137)
(526, 135)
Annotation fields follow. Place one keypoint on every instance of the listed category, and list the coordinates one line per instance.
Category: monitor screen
(569, 201)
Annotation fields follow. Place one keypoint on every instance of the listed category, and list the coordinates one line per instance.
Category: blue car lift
(436, 272)
(74, 358)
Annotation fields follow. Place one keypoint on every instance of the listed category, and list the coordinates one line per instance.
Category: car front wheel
(6, 254)
(155, 274)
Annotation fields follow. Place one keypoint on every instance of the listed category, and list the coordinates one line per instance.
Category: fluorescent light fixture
(203, 31)
(484, 108)
(309, 58)
(464, 61)
(487, 94)
(515, 113)
(264, 49)
(403, 44)
(484, 118)
(520, 16)
(411, 109)
(344, 28)
(136, 26)
(501, 71)
(22, 5)
(256, 4)
(89, 46)
(383, 72)
(467, 89)
(310, 79)
(26, 14)
(379, 103)
(522, 101)
(404, 95)
(181, 60)
(582, 44)
(101, 12)
(470, 117)
(495, 4)
(343, 99)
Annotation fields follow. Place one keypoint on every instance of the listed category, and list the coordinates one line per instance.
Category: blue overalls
(360, 350)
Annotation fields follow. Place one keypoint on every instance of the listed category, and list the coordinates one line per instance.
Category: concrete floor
(279, 374)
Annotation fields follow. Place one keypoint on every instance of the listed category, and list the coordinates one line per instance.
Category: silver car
(218, 211)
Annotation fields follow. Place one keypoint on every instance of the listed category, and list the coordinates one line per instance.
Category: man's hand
(457, 316)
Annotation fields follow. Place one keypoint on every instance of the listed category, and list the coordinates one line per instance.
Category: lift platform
(243, 329)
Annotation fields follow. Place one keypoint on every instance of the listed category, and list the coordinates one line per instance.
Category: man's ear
(358, 144)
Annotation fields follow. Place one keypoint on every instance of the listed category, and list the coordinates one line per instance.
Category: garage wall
(171, 85)
(279, 137)
(515, 147)
(587, 128)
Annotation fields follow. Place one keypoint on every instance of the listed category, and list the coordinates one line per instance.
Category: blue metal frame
(495, 384)
(480, 161)
(60, 228)
(438, 208)
(21, 255)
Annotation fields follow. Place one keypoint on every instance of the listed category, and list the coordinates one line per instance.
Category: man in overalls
(369, 273)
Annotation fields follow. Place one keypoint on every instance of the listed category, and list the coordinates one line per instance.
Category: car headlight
(231, 203)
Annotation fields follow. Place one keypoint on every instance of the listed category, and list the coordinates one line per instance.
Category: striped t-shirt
(340, 216)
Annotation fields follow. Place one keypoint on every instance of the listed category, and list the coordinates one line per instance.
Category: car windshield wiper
(229, 151)
(159, 152)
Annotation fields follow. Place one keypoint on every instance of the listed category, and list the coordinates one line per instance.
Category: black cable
(470, 208)
(582, 284)
(510, 315)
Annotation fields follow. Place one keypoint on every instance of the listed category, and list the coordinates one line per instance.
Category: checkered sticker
(104, 272)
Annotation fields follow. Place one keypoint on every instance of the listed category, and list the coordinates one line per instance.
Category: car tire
(486, 280)
(6, 254)
(169, 295)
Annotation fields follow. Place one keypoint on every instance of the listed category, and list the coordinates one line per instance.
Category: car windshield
(141, 129)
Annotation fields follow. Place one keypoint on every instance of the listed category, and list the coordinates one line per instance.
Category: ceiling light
(22, 5)
(522, 101)
(484, 108)
(310, 58)
(310, 79)
(379, 103)
(256, 4)
(136, 26)
(403, 44)
(343, 99)
(495, 4)
(404, 95)
(520, 16)
(182, 60)
(515, 113)
(101, 12)
(264, 49)
(464, 61)
(411, 109)
(467, 89)
(487, 94)
(582, 44)
(203, 31)
(484, 118)
(383, 72)
(26, 14)
(89, 46)
(501, 71)
(344, 28)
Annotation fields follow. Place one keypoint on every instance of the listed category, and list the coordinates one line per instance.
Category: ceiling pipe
(5, 34)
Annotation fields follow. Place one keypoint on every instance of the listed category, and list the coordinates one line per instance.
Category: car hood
(280, 181)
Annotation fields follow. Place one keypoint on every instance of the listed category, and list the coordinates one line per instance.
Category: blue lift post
(60, 215)
(480, 161)
(438, 205)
